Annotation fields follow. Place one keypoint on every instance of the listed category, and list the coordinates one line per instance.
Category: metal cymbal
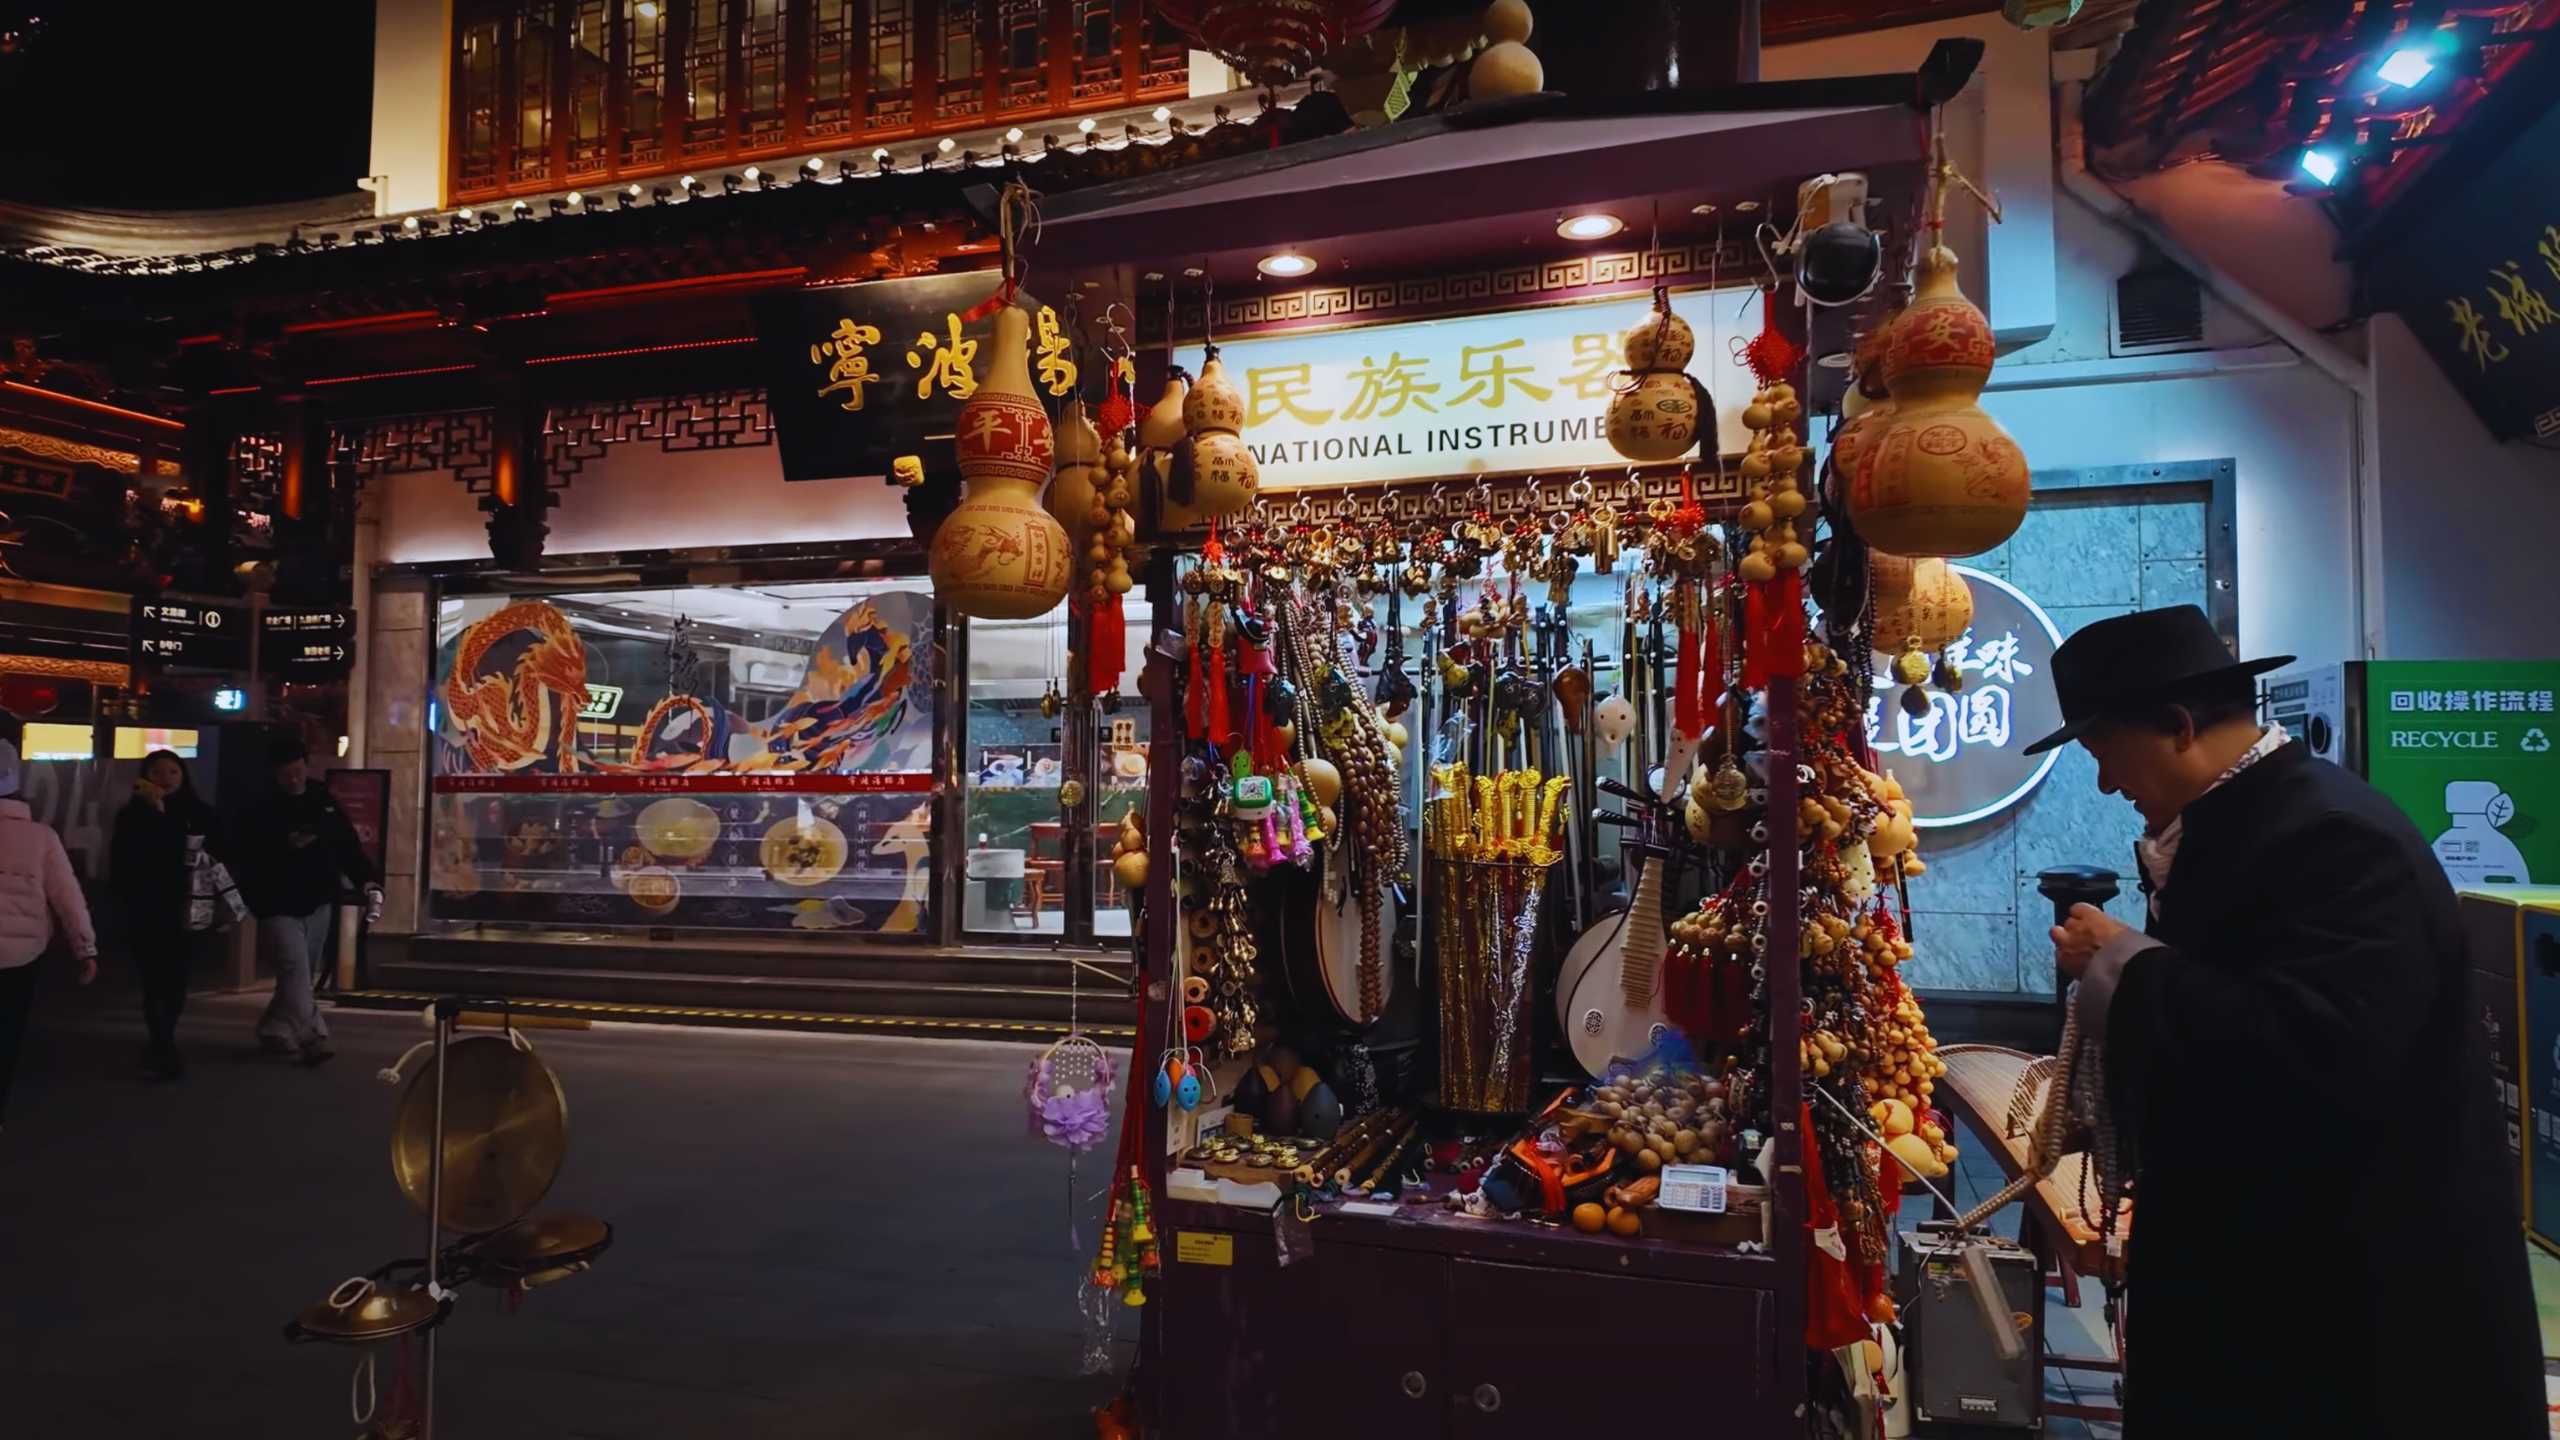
(380, 1315)
(542, 1242)
(506, 1131)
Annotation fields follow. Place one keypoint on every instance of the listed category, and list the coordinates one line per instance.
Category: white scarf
(2158, 852)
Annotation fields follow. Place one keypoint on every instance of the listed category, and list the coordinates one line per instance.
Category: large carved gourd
(1224, 476)
(1866, 411)
(1000, 556)
(1943, 479)
(1160, 433)
(1658, 414)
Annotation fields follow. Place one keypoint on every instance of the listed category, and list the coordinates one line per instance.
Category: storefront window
(1015, 759)
(755, 758)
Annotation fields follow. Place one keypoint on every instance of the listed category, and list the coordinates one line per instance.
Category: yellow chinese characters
(948, 363)
(1385, 390)
(1056, 369)
(848, 367)
(1595, 363)
(1275, 390)
(1492, 375)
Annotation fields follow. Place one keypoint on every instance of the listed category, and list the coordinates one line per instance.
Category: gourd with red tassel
(1000, 556)
(1657, 411)
(1944, 479)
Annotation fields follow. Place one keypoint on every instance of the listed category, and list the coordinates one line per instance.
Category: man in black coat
(293, 854)
(2328, 1239)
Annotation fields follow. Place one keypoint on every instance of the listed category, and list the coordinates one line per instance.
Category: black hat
(2131, 660)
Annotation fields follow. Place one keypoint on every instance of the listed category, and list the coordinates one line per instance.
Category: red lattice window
(555, 94)
(835, 69)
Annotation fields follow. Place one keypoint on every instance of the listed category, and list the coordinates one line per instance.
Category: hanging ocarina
(1280, 702)
(1187, 1094)
(1517, 692)
(1615, 719)
(1573, 697)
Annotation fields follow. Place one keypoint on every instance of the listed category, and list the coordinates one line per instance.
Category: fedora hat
(2120, 664)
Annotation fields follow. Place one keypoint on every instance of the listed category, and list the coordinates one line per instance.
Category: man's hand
(88, 969)
(2079, 937)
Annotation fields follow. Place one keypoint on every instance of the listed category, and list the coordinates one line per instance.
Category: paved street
(815, 1236)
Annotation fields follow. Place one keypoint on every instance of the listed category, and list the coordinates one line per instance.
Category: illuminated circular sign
(1962, 760)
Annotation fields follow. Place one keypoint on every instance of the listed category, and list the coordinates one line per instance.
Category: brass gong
(367, 1317)
(506, 1131)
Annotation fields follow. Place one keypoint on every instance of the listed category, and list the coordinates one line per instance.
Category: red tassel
(1222, 726)
(1106, 646)
(1196, 712)
(1773, 629)
(1834, 1313)
(1687, 717)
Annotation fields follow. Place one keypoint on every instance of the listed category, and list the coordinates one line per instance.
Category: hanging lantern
(1274, 42)
(1224, 477)
(1000, 556)
(1944, 479)
(1656, 413)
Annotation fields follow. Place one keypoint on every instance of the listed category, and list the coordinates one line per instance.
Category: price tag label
(1699, 1189)
(1204, 1247)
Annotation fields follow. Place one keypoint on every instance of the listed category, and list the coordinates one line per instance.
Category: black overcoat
(2327, 1235)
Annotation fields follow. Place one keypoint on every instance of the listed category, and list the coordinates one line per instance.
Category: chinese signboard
(2466, 749)
(858, 375)
(306, 644)
(1520, 390)
(2477, 279)
(191, 634)
(1960, 760)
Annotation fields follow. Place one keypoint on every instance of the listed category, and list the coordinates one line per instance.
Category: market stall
(1519, 920)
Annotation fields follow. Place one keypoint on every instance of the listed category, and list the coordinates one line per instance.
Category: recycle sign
(2534, 741)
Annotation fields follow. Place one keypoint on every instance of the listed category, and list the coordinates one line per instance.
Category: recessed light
(1287, 265)
(1085, 125)
(1163, 113)
(947, 145)
(2408, 65)
(1013, 136)
(1593, 226)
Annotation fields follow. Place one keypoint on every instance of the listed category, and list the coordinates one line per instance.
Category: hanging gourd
(999, 556)
(1932, 612)
(1656, 410)
(1506, 65)
(1224, 478)
(1944, 478)
(1866, 411)
(1076, 491)
(1162, 452)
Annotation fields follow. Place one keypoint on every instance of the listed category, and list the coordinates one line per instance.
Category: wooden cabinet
(1401, 1328)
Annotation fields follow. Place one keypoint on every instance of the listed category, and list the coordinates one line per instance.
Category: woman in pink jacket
(37, 893)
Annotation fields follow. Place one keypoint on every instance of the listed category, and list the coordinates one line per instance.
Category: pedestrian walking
(2297, 1074)
(160, 848)
(39, 898)
(296, 854)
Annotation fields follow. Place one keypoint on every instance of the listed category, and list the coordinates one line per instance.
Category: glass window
(49, 740)
(1015, 759)
(755, 758)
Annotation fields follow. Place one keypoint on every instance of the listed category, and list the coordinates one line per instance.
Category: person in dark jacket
(2329, 1240)
(159, 834)
(293, 854)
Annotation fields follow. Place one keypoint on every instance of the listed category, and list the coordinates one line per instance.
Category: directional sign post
(189, 634)
(316, 644)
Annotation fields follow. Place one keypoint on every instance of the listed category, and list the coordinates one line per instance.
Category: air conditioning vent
(2157, 310)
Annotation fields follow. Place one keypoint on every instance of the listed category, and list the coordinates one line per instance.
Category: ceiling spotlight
(728, 184)
(881, 154)
(1706, 209)
(1593, 226)
(630, 195)
(947, 145)
(690, 184)
(466, 216)
(1085, 126)
(1013, 136)
(661, 194)
(1163, 113)
(2322, 165)
(2408, 65)
(410, 224)
(648, 9)
(813, 165)
(561, 207)
(1287, 265)
(520, 209)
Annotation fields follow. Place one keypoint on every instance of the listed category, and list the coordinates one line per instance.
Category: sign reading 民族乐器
(1520, 390)
(1962, 759)
(857, 375)
(2470, 752)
